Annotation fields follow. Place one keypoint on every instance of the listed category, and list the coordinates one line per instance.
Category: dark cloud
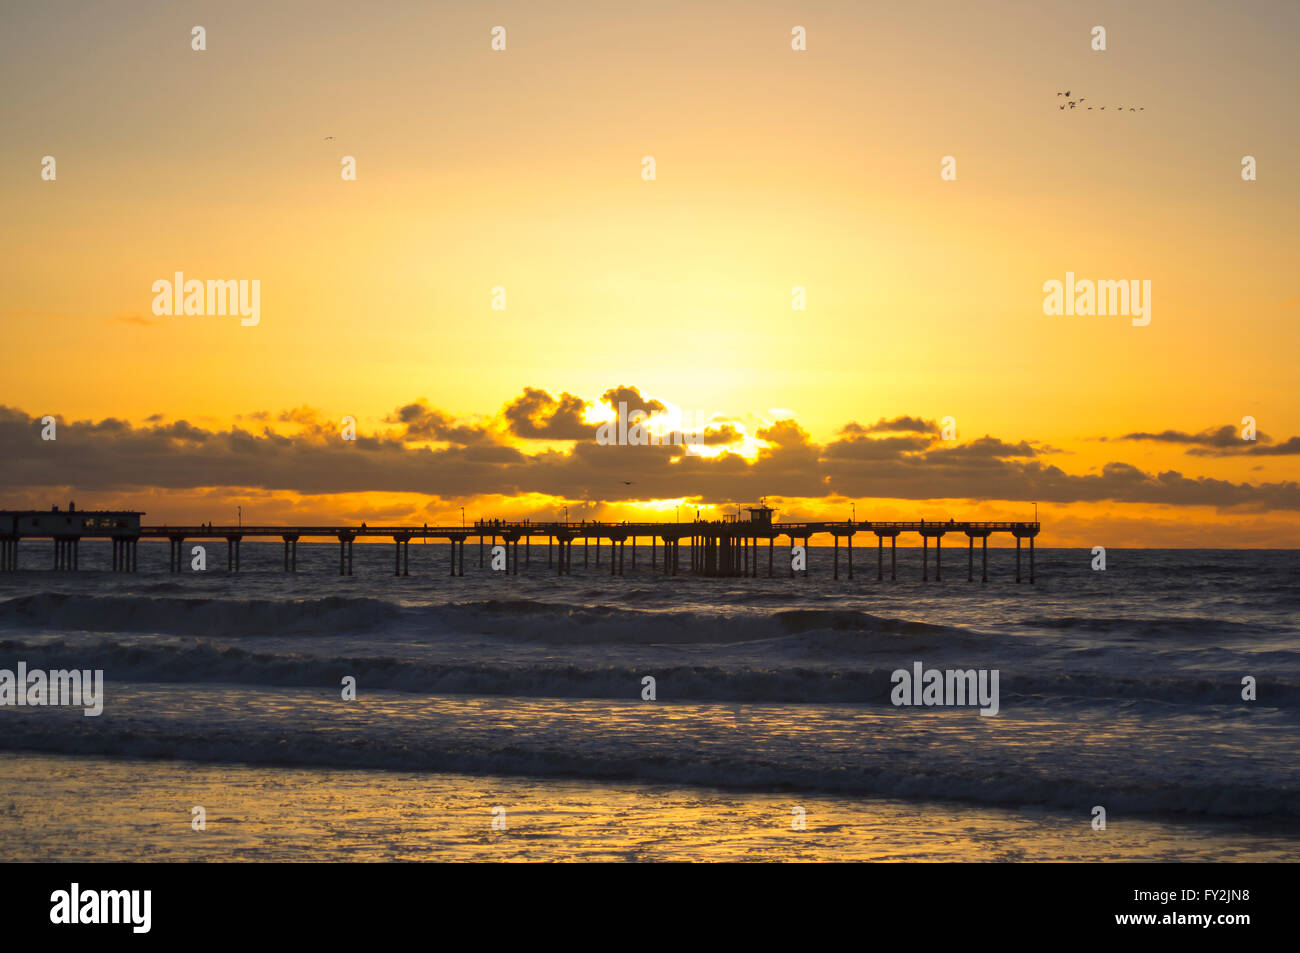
(111, 455)
(1225, 437)
(904, 424)
(719, 436)
(1225, 441)
(421, 422)
(536, 415)
(1286, 448)
(632, 397)
(1248, 448)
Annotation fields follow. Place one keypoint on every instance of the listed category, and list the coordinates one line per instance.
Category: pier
(731, 547)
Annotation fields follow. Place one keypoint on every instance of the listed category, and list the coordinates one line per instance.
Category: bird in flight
(627, 482)
(329, 137)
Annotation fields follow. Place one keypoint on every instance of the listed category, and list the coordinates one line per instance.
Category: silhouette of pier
(729, 547)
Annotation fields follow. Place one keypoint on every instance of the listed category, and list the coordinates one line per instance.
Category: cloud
(111, 455)
(419, 422)
(1286, 448)
(719, 436)
(1225, 437)
(1222, 441)
(903, 424)
(632, 397)
(536, 415)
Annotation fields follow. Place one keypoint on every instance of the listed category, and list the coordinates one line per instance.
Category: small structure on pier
(66, 528)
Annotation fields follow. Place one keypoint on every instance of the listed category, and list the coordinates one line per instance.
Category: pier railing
(714, 547)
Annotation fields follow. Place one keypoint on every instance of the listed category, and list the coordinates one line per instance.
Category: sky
(518, 174)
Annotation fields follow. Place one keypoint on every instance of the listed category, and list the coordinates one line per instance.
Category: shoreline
(88, 808)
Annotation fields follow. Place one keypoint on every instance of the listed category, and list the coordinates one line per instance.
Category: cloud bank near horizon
(544, 444)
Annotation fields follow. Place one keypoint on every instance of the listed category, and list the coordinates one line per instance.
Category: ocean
(504, 717)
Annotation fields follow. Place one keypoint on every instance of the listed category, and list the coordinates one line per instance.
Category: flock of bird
(1072, 103)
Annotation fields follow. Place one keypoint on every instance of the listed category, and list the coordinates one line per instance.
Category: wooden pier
(728, 548)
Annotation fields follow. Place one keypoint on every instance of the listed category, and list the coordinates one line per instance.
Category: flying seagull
(329, 137)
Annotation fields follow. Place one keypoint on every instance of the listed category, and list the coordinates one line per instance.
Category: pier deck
(714, 548)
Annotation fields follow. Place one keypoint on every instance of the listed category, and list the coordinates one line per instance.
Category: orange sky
(522, 170)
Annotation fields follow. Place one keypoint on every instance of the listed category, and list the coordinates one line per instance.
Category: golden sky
(522, 169)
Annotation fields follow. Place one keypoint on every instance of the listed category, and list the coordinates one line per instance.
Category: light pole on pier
(240, 511)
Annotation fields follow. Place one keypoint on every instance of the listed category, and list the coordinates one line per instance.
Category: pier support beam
(1017, 559)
